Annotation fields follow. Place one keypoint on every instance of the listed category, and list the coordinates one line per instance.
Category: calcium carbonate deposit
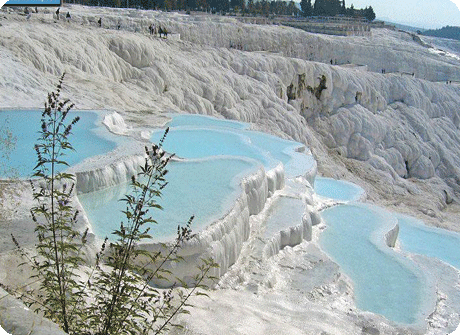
(385, 116)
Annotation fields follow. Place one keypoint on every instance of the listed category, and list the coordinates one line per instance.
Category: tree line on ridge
(334, 8)
(245, 7)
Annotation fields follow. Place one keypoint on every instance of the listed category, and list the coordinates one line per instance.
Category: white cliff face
(117, 172)
(398, 124)
(404, 127)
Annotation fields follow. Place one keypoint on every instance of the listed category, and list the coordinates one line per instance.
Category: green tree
(170, 4)
(202, 4)
(292, 8)
(343, 9)
(251, 6)
(237, 4)
(445, 32)
(327, 7)
(265, 7)
(369, 13)
(351, 12)
(307, 8)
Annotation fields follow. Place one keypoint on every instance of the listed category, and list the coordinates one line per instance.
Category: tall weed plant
(115, 296)
(8, 141)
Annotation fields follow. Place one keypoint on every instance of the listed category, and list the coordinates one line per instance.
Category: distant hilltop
(445, 32)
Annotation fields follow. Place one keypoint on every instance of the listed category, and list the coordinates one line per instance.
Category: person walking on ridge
(27, 12)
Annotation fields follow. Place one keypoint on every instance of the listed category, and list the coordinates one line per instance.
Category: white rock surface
(396, 135)
(115, 123)
(16, 318)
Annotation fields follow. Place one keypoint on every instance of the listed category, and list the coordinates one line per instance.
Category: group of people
(161, 31)
(152, 28)
(28, 13)
(237, 46)
(67, 16)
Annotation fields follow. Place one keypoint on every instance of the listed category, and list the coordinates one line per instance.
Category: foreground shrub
(114, 297)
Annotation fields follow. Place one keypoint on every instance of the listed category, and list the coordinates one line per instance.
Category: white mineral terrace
(395, 134)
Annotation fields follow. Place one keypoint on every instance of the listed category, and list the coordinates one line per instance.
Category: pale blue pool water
(385, 282)
(204, 188)
(194, 136)
(88, 139)
(200, 121)
(200, 143)
(278, 148)
(215, 155)
(284, 151)
(415, 237)
(337, 189)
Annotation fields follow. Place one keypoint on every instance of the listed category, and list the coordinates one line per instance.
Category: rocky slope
(395, 134)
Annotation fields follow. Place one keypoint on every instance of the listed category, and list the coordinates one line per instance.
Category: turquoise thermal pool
(214, 156)
(25, 126)
(337, 189)
(417, 238)
(196, 187)
(385, 282)
(200, 121)
(207, 142)
(196, 136)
